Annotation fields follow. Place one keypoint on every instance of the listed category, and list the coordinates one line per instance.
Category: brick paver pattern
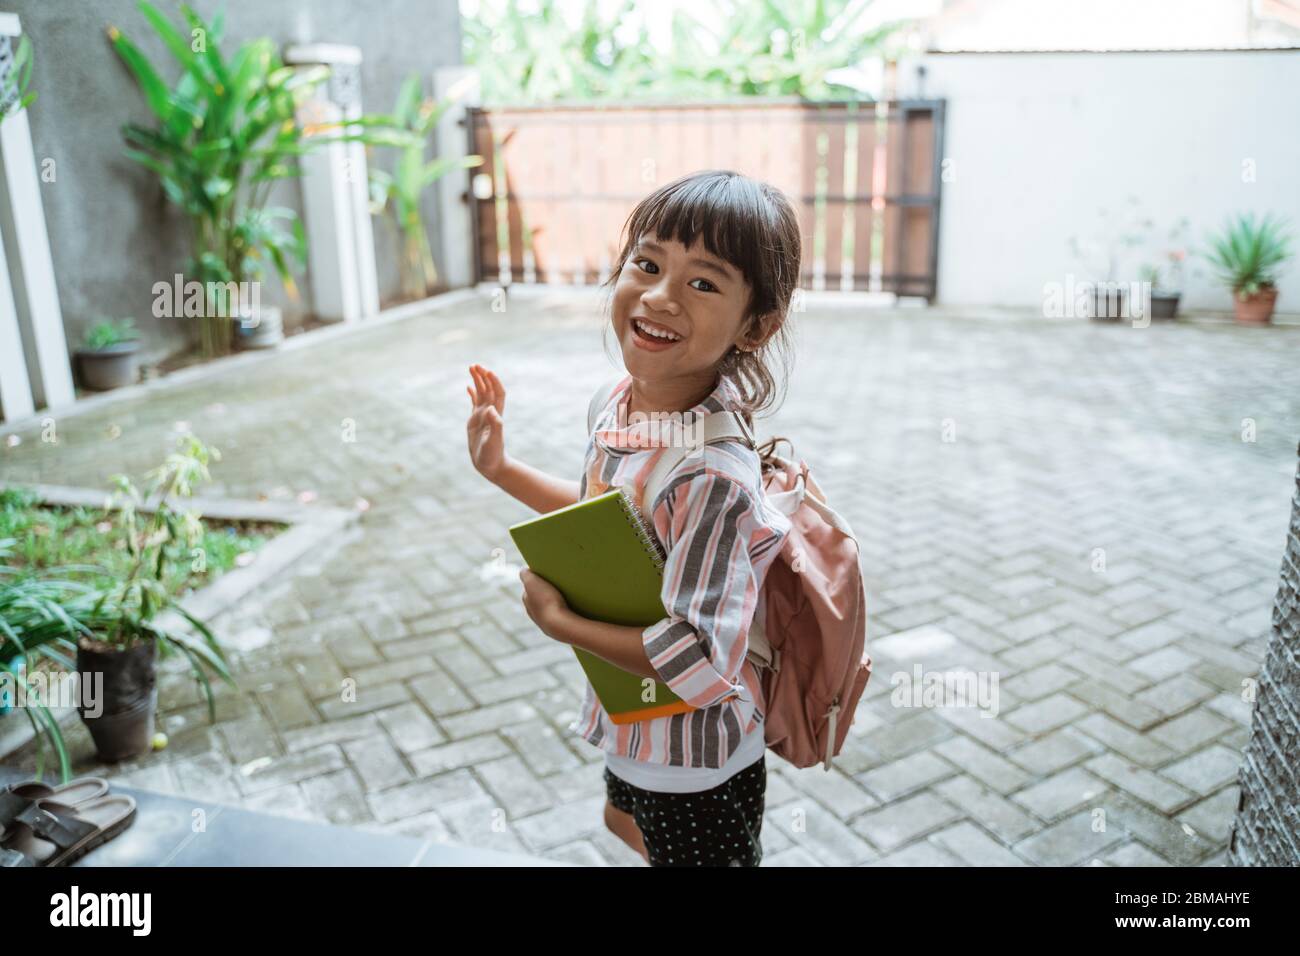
(1077, 511)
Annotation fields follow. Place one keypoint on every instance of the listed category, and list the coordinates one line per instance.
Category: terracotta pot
(128, 697)
(1255, 309)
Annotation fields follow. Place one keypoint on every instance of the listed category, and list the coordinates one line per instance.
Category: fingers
(498, 391)
(480, 385)
(489, 387)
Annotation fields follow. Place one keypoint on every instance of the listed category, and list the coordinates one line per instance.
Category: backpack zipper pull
(830, 738)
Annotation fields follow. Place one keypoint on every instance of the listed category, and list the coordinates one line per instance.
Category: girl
(701, 292)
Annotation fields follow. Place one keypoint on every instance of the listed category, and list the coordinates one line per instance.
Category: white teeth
(666, 336)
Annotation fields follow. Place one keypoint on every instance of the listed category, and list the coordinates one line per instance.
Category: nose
(660, 298)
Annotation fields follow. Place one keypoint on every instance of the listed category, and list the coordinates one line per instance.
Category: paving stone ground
(1066, 507)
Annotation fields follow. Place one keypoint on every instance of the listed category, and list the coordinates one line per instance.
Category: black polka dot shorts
(718, 827)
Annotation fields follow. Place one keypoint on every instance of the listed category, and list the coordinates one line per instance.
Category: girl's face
(676, 312)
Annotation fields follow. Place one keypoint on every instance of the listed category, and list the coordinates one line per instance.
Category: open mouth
(654, 334)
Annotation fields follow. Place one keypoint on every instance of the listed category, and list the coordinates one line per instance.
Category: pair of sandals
(42, 825)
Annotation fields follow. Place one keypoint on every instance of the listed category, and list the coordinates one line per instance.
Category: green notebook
(608, 565)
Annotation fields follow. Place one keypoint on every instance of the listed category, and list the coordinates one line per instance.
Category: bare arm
(487, 451)
(537, 489)
(622, 646)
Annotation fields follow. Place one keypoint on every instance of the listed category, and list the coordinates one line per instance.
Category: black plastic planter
(1164, 306)
(1107, 304)
(126, 682)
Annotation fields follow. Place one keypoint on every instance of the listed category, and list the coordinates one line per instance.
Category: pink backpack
(808, 637)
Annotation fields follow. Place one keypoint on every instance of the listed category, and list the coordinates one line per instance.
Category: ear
(757, 331)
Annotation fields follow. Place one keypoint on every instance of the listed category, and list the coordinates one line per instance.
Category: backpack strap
(714, 427)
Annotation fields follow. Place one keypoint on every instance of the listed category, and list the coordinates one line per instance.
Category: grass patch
(47, 536)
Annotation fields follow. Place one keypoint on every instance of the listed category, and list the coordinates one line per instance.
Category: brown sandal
(55, 834)
(15, 797)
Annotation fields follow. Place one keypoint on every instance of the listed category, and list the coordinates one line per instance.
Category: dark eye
(652, 267)
(711, 286)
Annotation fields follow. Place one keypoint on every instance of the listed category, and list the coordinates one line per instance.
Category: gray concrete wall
(112, 232)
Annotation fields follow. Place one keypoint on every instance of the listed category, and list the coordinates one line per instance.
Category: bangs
(727, 211)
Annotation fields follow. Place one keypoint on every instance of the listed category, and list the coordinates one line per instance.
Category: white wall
(1038, 142)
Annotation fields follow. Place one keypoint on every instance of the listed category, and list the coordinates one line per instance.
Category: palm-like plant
(400, 190)
(226, 131)
(1248, 252)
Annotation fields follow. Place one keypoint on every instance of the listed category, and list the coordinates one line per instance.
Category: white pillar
(335, 191)
(30, 280)
(455, 208)
(15, 388)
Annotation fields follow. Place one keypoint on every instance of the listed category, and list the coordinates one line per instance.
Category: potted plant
(109, 356)
(134, 620)
(1102, 255)
(1247, 255)
(1163, 272)
(225, 133)
(261, 330)
(400, 190)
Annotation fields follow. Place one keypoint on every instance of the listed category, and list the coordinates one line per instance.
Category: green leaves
(1246, 254)
(760, 49)
(224, 133)
(14, 94)
(109, 332)
(409, 128)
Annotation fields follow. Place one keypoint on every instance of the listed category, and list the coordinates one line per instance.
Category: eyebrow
(700, 263)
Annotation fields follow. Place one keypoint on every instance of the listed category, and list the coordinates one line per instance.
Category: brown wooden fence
(563, 179)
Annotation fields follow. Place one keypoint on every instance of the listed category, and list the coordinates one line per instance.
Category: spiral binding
(646, 534)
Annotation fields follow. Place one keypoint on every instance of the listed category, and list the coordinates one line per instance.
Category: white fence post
(29, 298)
(454, 208)
(336, 192)
(15, 388)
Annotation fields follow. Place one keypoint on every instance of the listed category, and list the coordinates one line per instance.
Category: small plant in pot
(1103, 254)
(109, 356)
(1247, 254)
(1165, 282)
(136, 620)
(1163, 272)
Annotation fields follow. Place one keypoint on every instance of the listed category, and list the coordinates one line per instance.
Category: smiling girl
(701, 294)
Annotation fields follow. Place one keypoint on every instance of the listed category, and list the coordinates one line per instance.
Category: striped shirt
(720, 538)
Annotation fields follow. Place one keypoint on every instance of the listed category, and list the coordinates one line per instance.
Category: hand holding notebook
(602, 557)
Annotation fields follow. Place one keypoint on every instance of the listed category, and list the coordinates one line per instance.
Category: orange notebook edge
(650, 713)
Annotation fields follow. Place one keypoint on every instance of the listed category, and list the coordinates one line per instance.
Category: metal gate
(559, 181)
